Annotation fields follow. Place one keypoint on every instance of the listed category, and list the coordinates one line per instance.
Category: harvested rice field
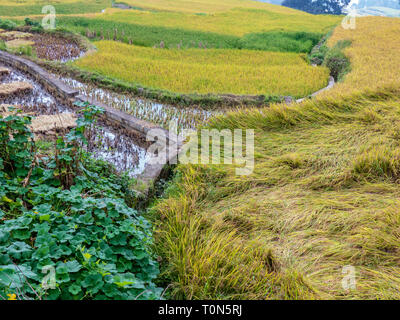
(44, 46)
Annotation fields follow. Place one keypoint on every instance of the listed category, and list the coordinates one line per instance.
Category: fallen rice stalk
(16, 87)
(49, 123)
(4, 71)
(17, 43)
(43, 123)
(15, 35)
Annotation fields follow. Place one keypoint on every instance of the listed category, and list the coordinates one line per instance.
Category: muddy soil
(47, 46)
(56, 48)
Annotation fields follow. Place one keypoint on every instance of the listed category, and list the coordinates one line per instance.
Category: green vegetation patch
(150, 36)
(66, 230)
(280, 41)
(337, 61)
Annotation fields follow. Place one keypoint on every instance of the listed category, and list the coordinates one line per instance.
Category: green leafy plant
(69, 148)
(337, 62)
(16, 145)
(3, 45)
(33, 24)
(75, 240)
(7, 24)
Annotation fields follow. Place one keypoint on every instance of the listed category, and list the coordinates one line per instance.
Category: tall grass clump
(378, 163)
(7, 24)
(281, 41)
(337, 62)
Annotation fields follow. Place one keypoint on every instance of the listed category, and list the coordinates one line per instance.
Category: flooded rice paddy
(114, 145)
(160, 114)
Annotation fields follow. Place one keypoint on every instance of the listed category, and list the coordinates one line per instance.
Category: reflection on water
(114, 145)
(161, 114)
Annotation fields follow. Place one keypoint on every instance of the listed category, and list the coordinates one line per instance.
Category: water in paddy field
(160, 114)
(114, 145)
(38, 96)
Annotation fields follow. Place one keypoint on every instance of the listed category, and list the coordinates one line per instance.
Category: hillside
(315, 214)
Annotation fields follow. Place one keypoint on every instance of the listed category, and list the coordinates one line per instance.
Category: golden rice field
(237, 21)
(35, 2)
(373, 63)
(207, 71)
(229, 17)
(206, 6)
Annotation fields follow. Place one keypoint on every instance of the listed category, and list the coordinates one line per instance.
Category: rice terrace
(199, 150)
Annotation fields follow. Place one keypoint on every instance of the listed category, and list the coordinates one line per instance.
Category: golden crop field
(206, 6)
(373, 64)
(35, 2)
(207, 71)
(237, 21)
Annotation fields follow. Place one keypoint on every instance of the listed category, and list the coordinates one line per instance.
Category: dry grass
(18, 43)
(52, 123)
(4, 71)
(15, 35)
(323, 195)
(14, 88)
(42, 124)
